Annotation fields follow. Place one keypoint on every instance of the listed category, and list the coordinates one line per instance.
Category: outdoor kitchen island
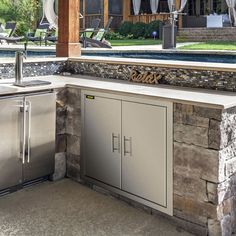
(203, 142)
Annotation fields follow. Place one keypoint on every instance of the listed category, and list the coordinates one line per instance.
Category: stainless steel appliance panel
(10, 142)
(40, 135)
(102, 139)
(144, 162)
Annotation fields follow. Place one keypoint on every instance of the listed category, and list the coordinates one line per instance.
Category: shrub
(118, 36)
(24, 12)
(152, 26)
(114, 35)
(138, 30)
(125, 28)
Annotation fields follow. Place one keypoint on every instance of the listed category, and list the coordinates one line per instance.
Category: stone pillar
(68, 20)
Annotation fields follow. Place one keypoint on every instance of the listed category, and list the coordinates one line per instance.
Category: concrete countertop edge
(59, 82)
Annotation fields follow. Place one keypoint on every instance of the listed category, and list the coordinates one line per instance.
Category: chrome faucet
(19, 67)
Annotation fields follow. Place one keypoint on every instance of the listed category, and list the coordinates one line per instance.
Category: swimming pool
(179, 56)
(30, 53)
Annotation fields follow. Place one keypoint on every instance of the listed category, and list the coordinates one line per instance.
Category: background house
(123, 10)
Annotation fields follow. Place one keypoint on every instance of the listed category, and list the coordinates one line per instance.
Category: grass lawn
(211, 46)
(133, 42)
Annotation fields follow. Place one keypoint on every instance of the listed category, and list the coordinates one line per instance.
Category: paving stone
(212, 192)
(214, 227)
(196, 161)
(191, 135)
(60, 167)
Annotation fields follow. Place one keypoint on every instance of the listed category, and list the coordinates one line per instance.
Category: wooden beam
(126, 10)
(68, 33)
(106, 11)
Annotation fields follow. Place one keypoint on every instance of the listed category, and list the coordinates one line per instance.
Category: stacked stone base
(207, 34)
(204, 163)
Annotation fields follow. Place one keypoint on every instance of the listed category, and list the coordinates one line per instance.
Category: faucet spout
(19, 67)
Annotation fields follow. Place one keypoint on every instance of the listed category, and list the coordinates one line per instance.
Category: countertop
(201, 97)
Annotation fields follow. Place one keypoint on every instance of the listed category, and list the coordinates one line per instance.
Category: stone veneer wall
(7, 70)
(194, 78)
(207, 34)
(204, 163)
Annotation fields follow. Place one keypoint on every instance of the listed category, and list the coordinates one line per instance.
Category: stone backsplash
(204, 163)
(31, 69)
(195, 78)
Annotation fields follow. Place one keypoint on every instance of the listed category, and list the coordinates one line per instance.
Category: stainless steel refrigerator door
(40, 138)
(102, 135)
(144, 160)
(10, 142)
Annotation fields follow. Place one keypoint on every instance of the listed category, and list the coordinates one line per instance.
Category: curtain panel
(232, 11)
(154, 6)
(136, 6)
(182, 5)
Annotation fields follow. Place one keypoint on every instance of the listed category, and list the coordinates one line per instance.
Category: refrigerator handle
(29, 132)
(24, 132)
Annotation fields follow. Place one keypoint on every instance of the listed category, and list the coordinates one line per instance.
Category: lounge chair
(89, 32)
(7, 34)
(51, 37)
(99, 39)
(39, 35)
(8, 30)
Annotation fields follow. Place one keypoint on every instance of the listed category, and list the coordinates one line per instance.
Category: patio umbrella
(136, 6)
(154, 6)
(232, 12)
(48, 9)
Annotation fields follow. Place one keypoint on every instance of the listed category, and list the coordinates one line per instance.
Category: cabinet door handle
(29, 131)
(114, 137)
(125, 146)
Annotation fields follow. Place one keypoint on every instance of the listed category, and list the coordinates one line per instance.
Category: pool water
(214, 58)
(10, 54)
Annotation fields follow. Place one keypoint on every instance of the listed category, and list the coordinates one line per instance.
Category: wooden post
(106, 11)
(126, 10)
(68, 33)
(180, 18)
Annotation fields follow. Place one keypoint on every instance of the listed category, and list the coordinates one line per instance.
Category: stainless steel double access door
(27, 141)
(125, 145)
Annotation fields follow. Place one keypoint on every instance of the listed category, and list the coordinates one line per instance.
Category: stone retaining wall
(31, 69)
(207, 34)
(204, 163)
(208, 79)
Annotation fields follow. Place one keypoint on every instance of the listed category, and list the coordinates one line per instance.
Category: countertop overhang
(201, 97)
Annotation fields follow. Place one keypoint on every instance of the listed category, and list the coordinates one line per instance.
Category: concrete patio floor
(68, 208)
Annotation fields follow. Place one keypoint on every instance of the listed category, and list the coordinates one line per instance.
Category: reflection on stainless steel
(19, 67)
(27, 144)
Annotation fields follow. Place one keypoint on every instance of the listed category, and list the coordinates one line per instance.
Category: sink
(6, 89)
(32, 83)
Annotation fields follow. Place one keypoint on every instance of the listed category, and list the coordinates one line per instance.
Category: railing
(147, 18)
(89, 18)
(117, 19)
